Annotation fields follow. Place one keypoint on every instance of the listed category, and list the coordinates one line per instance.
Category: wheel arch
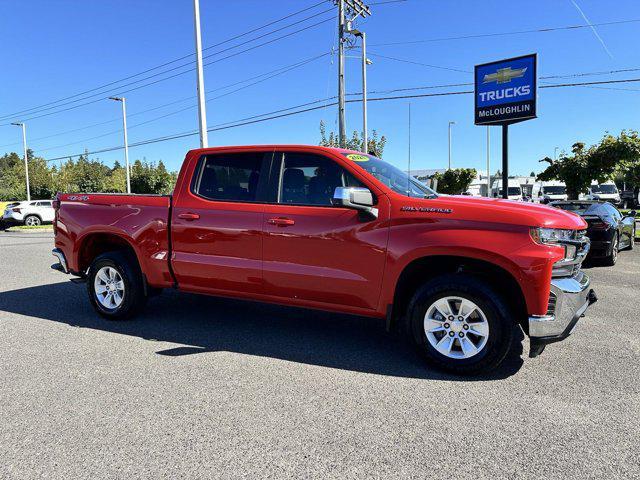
(96, 243)
(32, 215)
(422, 269)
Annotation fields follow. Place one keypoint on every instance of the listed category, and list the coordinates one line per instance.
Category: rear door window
(234, 177)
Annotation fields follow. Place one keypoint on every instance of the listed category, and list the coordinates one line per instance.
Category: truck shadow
(203, 324)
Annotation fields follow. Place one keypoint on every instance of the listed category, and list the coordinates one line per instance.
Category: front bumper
(569, 299)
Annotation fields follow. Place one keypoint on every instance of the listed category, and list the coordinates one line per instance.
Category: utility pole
(26, 159)
(202, 109)
(555, 153)
(488, 163)
(450, 124)
(353, 9)
(342, 134)
(126, 141)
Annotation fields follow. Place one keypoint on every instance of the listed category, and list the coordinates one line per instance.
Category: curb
(34, 230)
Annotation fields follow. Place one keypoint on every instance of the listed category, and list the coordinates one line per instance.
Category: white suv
(31, 213)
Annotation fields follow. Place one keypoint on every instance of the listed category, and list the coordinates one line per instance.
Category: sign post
(506, 93)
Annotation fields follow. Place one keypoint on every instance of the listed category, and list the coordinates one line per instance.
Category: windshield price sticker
(357, 158)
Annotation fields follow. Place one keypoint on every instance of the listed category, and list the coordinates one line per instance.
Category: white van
(545, 192)
(514, 190)
(607, 192)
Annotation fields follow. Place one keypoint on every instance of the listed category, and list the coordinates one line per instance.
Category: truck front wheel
(115, 287)
(461, 325)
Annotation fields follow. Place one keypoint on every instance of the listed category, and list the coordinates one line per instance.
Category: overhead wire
(171, 61)
(272, 115)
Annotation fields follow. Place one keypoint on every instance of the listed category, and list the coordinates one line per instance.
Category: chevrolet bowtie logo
(504, 75)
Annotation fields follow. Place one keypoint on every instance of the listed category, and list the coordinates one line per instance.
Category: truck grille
(570, 266)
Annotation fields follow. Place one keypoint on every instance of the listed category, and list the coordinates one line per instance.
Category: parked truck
(336, 230)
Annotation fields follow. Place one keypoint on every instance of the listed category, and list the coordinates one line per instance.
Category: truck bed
(85, 221)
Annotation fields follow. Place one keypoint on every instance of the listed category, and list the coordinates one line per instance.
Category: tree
(572, 170)
(456, 181)
(82, 176)
(600, 162)
(375, 145)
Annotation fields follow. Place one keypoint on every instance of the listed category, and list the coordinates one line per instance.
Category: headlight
(551, 236)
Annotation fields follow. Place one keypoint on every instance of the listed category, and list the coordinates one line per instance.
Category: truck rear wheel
(460, 325)
(115, 286)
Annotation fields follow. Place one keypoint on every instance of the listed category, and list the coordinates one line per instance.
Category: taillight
(17, 210)
(55, 204)
(600, 226)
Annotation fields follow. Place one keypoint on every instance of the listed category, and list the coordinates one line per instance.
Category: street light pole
(555, 153)
(450, 124)
(365, 62)
(126, 141)
(202, 110)
(26, 159)
(365, 140)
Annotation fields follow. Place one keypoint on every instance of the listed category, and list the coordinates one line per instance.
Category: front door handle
(281, 222)
(189, 216)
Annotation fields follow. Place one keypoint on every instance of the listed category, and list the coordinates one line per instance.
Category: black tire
(32, 220)
(611, 259)
(498, 315)
(133, 299)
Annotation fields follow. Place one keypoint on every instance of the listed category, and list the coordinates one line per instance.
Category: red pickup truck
(336, 230)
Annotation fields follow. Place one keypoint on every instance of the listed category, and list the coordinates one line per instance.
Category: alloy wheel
(456, 327)
(109, 288)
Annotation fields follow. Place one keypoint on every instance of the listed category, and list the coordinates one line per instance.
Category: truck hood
(493, 210)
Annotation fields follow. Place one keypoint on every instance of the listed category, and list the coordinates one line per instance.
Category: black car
(608, 230)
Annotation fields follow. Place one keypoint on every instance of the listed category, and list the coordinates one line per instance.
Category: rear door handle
(189, 216)
(281, 222)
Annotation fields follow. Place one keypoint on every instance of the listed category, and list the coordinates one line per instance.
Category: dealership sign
(505, 91)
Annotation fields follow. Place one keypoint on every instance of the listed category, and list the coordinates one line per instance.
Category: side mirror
(357, 198)
(632, 213)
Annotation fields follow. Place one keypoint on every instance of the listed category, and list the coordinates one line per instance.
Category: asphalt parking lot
(205, 387)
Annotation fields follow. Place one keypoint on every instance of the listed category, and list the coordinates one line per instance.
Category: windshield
(579, 208)
(511, 191)
(555, 190)
(604, 189)
(391, 176)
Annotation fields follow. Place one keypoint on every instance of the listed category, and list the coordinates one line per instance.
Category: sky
(54, 49)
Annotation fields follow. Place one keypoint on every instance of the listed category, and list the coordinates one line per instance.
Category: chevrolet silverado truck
(337, 230)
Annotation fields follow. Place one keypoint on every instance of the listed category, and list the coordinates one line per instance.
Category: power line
(169, 62)
(279, 72)
(501, 34)
(439, 67)
(121, 92)
(268, 74)
(318, 107)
